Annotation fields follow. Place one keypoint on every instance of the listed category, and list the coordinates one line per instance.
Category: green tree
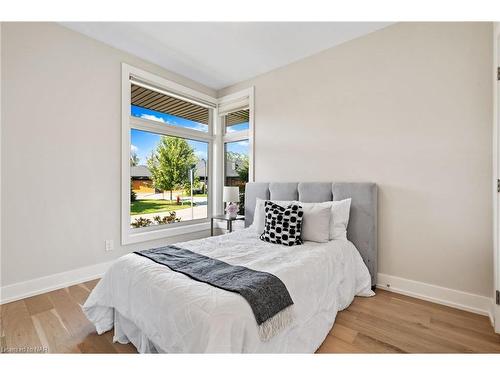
(242, 169)
(134, 159)
(133, 195)
(241, 162)
(170, 163)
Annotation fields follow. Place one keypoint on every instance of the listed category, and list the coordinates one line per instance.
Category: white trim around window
(238, 100)
(135, 235)
(215, 137)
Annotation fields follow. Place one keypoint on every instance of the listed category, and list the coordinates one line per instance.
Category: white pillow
(259, 216)
(316, 221)
(339, 219)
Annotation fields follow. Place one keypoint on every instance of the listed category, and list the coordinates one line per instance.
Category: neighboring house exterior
(201, 170)
(231, 176)
(142, 182)
(141, 179)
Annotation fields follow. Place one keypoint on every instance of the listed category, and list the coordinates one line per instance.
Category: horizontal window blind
(234, 106)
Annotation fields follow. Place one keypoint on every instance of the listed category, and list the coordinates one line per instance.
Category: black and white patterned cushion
(283, 225)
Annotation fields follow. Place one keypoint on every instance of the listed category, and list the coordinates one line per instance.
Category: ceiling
(219, 54)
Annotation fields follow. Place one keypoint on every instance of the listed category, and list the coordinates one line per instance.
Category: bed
(159, 310)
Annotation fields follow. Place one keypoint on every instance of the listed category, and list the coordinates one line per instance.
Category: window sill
(129, 237)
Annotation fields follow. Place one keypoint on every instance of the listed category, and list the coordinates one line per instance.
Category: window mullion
(165, 129)
(236, 136)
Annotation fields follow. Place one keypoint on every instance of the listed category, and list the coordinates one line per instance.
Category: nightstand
(229, 222)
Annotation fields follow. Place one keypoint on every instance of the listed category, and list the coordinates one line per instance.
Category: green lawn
(150, 206)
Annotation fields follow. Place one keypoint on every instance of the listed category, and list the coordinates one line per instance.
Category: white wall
(60, 150)
(410, 108)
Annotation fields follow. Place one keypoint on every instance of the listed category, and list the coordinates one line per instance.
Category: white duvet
(160, 310)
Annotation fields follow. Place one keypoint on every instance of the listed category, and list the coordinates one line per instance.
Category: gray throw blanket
(265, 293)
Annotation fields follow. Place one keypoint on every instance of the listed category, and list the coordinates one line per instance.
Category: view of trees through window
(168, 174)
(169, 168)
(236, 168)
(169, 179)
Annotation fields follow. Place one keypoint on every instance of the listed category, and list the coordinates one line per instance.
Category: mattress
(160, 310)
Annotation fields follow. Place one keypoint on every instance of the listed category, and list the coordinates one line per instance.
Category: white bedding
(161, 310)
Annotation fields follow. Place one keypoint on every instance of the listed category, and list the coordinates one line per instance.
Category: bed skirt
(127, 332)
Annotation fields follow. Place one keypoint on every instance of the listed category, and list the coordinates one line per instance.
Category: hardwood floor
(394, 323)
(387, 323)
(54, 322)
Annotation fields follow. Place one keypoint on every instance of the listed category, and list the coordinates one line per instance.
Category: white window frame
(246, 95)
(135, 235)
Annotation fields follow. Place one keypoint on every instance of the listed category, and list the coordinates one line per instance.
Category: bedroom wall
(410, 108)
(60, 150)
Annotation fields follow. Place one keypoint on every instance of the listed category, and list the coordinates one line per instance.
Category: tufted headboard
(362, 228)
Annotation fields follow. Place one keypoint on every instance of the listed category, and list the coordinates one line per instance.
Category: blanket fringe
(275, 324)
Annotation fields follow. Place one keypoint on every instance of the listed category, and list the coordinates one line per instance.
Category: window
(237, 121)
(169, 179)
(238, 158)
(157, 106)
(167, 161)
(179, 148)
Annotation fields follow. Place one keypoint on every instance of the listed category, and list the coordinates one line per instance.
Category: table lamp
(231, 195)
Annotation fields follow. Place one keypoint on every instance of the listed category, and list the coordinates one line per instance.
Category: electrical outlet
(108, 245)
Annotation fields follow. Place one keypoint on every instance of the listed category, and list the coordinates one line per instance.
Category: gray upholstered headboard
(362, 228)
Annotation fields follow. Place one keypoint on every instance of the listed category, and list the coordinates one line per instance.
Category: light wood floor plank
(386, 323)
(458, 317)
(344, 333)
(53, 334)
(486, 335)
(71, 314)
(93, 343)
(79, 293)
(91, 284)
(337, 345)
(120, 348)
(20, 334)
(388, 334)
(406, 329)
(38, 304)
(452, 330)
(369, 344)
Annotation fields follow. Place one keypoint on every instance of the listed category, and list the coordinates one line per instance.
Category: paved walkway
(198, 200)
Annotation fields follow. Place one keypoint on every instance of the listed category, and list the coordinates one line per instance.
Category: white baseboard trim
(14, 292)
(437, 294)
